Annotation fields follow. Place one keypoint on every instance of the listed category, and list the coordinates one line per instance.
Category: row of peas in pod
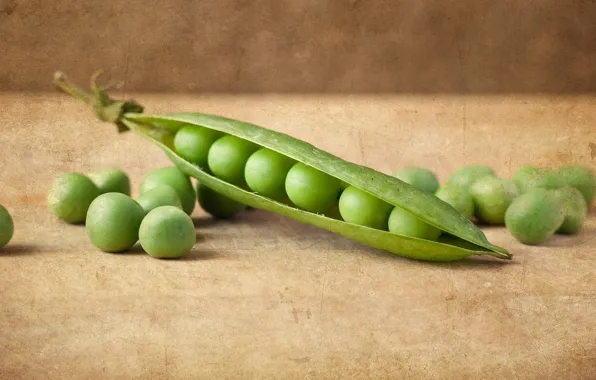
(278, 177)
(534, 204)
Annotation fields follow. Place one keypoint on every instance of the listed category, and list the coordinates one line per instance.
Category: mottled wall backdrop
(304, 45)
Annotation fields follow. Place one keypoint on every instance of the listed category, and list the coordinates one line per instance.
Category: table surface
(263, 296)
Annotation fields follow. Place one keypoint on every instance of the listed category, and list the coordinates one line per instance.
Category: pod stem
(106, 109)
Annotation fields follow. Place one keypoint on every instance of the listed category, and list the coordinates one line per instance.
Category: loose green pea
(458, 197)
(402, 222)
(492, 196)
(421, 178)
(167, 233)
(193, 143)
(359, 207)
(111, 180)
(465, 176)
(176, 179)
(227, 158)
(70, 196)
(113, 222)
(534, 216)
(580, 177)
(216, 204)
(161, 195)
(575, 209)
(311, 189)
(6, 227)
(530, 177)
(266, 173)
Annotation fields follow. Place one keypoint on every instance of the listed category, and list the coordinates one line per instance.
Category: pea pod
(160, 130)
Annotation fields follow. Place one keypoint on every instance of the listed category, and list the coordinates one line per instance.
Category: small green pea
(403, 222)
(359, 207)
(167, 233)
(70, 195)
(113, 222)
(111, 180)
(216, 204)
(175, 178)
(227, 158)
(161, 195)
(193, 143)
(311, 189)
(421, 178)
(458, 197)
(492, 196)
(6, 227)
(580, 177)
(266, 172)
(465, 176)
(575, 209)
(530, 177)
(534, 216)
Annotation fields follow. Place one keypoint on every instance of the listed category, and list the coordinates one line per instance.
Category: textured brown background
(304, 45)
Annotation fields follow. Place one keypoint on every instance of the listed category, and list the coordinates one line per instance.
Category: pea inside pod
(227, 158)
(359, 207)
(266, 173)
(193, 143)
(314, 184)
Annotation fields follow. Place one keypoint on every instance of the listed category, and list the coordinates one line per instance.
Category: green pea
(359, 207)
(458, 197)
(161, 195)
(266, 172)
(6, 227)
(421, 178)
(311, 189)
(227, 159)
(193, 143)
(70, 195)
(465, 176)
(167, 233)
(530, 177)
(176, 179)
(534, 216)
(575, 209)
(216, 204)
(492, 196)
(111, 180)
(113, 222)
(580, 177)
(402, 222)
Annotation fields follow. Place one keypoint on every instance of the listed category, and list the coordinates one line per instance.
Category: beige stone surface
(265, 297)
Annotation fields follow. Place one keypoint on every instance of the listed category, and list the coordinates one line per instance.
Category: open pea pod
(464, 239)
